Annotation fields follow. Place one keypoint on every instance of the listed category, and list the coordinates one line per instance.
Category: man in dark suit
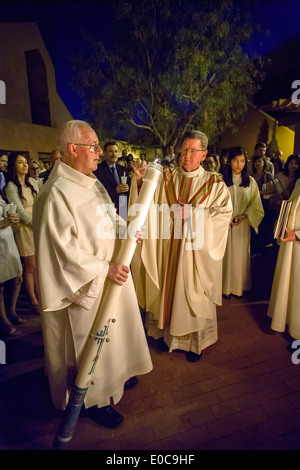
(110, 174)
(3, 170)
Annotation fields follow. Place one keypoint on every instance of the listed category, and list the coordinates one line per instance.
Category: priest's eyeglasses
(95, 147)
(185, 151)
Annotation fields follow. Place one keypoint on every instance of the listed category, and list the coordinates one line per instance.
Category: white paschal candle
(112, 290)
(151, 180)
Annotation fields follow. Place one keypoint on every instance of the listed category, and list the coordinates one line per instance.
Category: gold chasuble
(178, 268)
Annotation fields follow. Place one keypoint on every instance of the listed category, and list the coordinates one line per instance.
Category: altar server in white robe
(178, 271)
(285, 296)
(247, 211)
(75, 242)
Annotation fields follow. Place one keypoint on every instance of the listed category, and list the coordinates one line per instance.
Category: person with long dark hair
(247, 212)
(278, 162)
(289, 175)
(223, 161)
(22, 190)
(286, 181)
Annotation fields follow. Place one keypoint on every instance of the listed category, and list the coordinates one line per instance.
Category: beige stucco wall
(16, 129)
(256, 126)
(26, 137)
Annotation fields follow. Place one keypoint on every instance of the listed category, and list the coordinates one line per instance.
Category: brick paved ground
(242, 394)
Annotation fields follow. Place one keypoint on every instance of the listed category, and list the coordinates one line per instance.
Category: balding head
(68, 133)
(79, 146)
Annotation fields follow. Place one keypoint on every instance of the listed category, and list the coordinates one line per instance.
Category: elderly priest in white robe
(75, 241)
(178, 271)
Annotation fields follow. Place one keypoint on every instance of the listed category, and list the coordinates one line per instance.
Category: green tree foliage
(172, 66)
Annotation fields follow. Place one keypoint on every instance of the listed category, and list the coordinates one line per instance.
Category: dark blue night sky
(61, 24)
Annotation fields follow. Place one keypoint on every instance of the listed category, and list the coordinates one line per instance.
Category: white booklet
(282, 219)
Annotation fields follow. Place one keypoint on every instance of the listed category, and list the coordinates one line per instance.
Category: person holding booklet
(247, 212)
(285, 294)
(280, 227)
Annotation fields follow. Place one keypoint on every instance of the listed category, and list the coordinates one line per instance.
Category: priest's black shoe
(105, 416)
(130, 383)
(162, 345)
(192, 357)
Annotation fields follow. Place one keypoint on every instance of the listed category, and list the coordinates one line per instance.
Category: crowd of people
(21, 180)
(231, 200)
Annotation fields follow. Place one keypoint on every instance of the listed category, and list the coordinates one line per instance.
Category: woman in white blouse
(10, 273)
(22, 190)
